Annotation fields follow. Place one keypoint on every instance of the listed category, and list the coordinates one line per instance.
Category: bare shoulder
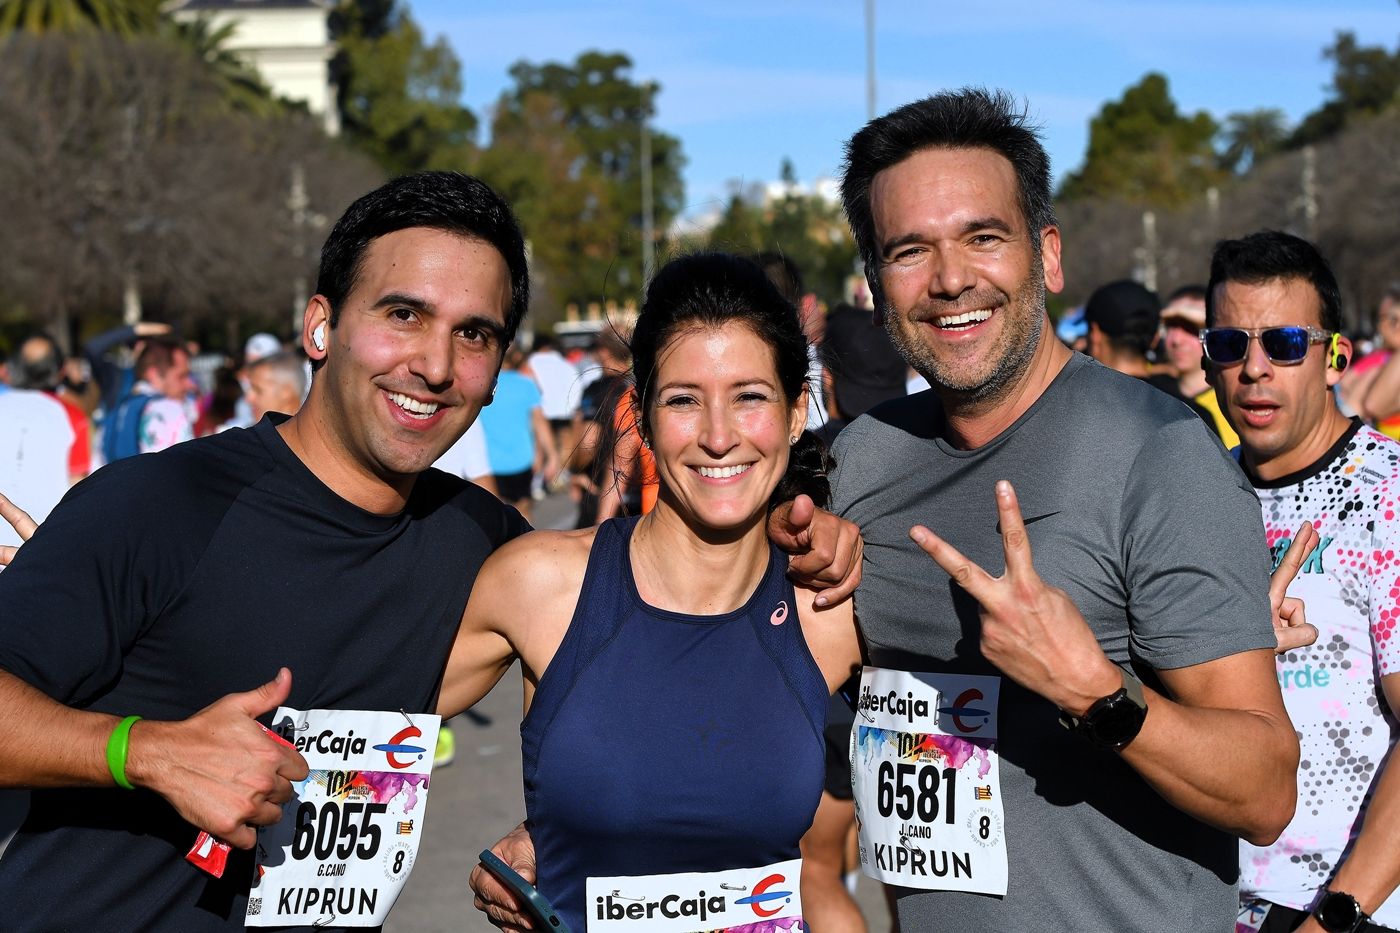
(537, 563)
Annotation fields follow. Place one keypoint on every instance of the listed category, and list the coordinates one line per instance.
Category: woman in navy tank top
(675, 682)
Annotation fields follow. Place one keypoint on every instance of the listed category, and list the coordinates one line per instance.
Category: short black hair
(447, 201)
(1272, 254)
(968, 118)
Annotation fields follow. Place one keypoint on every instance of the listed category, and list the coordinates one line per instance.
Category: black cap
(1125, 311)
(865, 367)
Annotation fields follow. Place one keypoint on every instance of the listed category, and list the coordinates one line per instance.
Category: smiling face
(960, 272)
(719, 425)
(414, 352)
(1284, 413)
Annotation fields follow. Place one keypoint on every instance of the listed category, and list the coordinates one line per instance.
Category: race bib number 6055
(927, 789)
(347, 839)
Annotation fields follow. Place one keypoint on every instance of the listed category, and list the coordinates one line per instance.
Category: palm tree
(1250, 137)
(65, 16)
(242, 86)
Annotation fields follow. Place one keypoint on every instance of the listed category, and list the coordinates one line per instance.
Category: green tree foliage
(1144, 151)
(598, 104)
(563, 202)
(399, 95)
(1250, 137)
(803, 227)
(1365, 82)
(38, 17)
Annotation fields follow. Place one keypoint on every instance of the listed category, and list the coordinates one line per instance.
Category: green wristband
(116, 751)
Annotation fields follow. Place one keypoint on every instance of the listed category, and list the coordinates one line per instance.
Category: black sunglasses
(1225, 346)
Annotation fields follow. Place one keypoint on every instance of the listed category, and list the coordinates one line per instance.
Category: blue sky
(745, 84)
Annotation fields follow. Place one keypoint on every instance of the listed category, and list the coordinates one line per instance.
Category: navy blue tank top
(660, 742)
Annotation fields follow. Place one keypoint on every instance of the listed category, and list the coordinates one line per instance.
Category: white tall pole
(870, 59)
(648, 217)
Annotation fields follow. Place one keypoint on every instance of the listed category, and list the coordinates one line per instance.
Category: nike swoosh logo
(1032, 520)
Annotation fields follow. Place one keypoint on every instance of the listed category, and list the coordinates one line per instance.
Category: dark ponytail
(807, 469)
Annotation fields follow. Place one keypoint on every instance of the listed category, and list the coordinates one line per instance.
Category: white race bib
(925, 771)
(754, 900)
(347, 838)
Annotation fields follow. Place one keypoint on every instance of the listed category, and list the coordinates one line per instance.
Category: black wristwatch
(1339, 912)
(1115, 720)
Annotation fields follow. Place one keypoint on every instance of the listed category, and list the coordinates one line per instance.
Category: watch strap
(1132, 688)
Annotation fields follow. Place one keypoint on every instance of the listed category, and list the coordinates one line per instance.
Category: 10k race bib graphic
(348, 837)
(754, 900)
(925, 771)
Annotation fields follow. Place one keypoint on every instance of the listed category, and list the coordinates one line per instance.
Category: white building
(286, 41)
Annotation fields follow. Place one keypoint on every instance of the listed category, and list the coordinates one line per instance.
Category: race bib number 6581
(927, 789)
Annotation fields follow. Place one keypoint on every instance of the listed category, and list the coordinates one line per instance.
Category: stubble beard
(1011, 355)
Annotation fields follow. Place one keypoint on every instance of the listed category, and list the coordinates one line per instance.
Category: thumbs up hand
(218, 768)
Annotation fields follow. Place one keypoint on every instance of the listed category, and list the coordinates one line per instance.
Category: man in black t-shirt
(165, 584)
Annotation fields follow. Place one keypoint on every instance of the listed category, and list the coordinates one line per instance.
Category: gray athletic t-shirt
(1136, 511)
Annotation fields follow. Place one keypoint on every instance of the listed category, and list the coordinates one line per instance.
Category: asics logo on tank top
(780, 614)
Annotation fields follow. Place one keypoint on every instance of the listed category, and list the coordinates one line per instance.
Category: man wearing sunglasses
(1273, 355)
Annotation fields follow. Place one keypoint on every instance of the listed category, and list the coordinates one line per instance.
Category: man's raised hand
(824, 550)
(20, 521)
(1291, 627)
(1031, 631)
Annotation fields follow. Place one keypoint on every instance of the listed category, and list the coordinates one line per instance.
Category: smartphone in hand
(531, 901)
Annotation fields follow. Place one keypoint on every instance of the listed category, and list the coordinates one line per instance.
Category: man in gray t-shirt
(1129, 538)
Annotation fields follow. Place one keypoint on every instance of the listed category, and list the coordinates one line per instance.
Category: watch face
(1339, 911)
(1117, 722)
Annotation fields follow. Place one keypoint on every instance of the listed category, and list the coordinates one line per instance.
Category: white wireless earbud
(318, 336)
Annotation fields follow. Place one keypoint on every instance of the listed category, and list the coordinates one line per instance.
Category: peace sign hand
(1031, 631)
(22, 524)
(1291, 627)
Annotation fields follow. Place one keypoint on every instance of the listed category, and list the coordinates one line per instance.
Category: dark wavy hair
(713, 289)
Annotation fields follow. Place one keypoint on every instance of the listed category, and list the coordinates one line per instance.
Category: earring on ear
(793, 440)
